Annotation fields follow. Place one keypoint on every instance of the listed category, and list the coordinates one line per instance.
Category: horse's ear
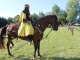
(52, 15)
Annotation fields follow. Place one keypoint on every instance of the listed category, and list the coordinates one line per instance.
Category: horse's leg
(8, 44)
(35, 49)
(39, 48)
(12, 44)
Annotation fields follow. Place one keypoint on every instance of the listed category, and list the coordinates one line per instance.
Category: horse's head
(54, 22)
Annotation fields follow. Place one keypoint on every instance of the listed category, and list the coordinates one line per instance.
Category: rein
(41, 31)
(47, 34)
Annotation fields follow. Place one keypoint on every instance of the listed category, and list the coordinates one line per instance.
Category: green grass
(59, 45)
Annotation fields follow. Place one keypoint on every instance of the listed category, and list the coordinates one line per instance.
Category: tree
(16, 18)
(34, 17)
(78, 20)
(48, 13)
(3, 22)
(10, 20)
(73, 10)
(41, 14)
(61, 14)
(55, 9)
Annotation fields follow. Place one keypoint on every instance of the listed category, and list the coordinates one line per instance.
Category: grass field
(59, 45)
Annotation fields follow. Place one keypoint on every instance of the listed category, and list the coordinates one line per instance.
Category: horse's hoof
(39, 55)
(11, 55)
(34, 58)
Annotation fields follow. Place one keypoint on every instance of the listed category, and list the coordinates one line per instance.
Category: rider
(26, 29)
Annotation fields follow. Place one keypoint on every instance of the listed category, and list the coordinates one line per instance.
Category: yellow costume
(25, 28)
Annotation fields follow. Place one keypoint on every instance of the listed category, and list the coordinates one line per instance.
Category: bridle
(50, 30)
(52, 20)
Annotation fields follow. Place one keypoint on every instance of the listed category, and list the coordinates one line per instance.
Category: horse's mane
(43, 18)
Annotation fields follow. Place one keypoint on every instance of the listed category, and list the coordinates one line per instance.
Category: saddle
(13, 27)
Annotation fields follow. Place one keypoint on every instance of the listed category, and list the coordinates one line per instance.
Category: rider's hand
(29, 22)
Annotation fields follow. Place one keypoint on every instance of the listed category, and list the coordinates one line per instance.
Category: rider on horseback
(26, 29)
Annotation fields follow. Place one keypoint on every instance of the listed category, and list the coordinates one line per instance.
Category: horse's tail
(2, 36)
(2, 43)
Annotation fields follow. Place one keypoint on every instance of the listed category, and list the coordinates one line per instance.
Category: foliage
(34, 17)
(40, 15)
(10, 20)
(78, 20)
(60, 13)
(3, 22)
(73, 10)
(48, 13)
(16, 18)
(55, 9)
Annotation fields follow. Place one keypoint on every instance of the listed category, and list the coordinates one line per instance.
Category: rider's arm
(24, 17)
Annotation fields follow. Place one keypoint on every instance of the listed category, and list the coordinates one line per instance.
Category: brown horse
(42, 24)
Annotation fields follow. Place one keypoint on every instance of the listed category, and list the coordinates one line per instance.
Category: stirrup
(27, 39)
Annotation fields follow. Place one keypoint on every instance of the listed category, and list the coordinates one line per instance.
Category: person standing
(68, 25)
(72, 29)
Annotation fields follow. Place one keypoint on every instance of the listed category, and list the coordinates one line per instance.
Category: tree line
(70, 14)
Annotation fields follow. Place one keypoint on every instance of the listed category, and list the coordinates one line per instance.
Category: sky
(11, 8)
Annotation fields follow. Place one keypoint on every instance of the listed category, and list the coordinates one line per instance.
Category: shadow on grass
(20, 46)
(22, 57)
(57, 58)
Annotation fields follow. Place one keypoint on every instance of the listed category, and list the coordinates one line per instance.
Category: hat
(26, 5)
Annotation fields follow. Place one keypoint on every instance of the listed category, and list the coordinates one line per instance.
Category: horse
(3, 34)
(42, 24)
